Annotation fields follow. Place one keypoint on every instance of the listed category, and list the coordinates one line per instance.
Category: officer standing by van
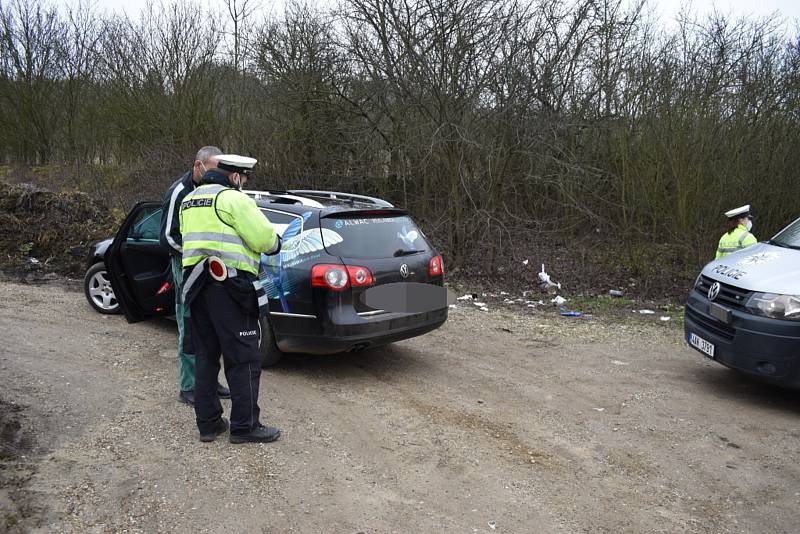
(224, 234)
(737, 235)
(170, 237)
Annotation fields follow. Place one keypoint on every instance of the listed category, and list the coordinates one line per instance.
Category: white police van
(744, 309)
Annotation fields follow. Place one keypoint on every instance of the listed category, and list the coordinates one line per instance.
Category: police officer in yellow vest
(737, 235)
(224, 234)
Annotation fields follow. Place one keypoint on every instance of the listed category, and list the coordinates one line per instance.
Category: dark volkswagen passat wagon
(336, 248)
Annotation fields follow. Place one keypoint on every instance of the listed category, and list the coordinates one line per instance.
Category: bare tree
(240, 12)
(32, 34)
(487, 118)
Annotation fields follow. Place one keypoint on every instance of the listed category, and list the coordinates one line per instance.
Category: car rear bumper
(767, 349)
(359, 333)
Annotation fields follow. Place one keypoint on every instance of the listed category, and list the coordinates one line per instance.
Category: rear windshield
(355, 236)
(789, 236)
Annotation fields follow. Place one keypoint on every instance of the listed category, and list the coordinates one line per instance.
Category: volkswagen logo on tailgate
(404, 271)
(713, 291)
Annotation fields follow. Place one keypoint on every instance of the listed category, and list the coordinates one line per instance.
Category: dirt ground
(531, 422)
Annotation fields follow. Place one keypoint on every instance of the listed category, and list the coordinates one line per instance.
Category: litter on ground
(545, 282)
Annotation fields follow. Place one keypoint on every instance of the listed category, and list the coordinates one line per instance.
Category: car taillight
(436, 266)
(359, 276)
(340, 277)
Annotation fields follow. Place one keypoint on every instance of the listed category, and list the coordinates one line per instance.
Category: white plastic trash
(543, 276)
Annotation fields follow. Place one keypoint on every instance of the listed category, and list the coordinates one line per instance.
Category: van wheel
(98, 290)
(270, 353)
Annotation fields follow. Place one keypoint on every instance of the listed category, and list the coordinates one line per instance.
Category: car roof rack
(335, 195)
(282, 197)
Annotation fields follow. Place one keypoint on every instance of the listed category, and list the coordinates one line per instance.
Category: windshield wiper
(783, 245)
(401, 252)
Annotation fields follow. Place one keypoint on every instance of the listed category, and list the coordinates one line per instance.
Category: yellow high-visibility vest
(223, 222)
(738, 239)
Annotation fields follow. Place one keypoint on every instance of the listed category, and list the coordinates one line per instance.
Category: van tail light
(436, 266)
(340, 277)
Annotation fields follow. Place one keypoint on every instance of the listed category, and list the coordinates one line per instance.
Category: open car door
(139, 267)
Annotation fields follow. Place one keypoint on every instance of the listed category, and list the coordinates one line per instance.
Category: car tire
(270, 353)
(98, 291)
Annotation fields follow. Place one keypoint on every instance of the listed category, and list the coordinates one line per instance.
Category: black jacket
(170, 234)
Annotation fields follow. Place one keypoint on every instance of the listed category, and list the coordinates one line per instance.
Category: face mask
(238, 184)
(748, 225)
(204, 167)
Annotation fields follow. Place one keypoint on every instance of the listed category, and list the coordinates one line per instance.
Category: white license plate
(702, 345)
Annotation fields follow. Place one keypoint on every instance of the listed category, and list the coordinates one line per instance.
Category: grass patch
(601, 303)
(626, 308)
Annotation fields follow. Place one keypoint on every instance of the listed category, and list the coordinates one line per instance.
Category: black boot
(222, 426)
(260, 434)
(186, 397)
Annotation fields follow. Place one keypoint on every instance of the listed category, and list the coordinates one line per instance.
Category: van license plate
(702, 345)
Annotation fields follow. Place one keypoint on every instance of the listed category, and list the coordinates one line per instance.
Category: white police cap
(742, 211)
(235, 163)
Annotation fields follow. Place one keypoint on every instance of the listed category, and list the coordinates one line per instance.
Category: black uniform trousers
(220, 325)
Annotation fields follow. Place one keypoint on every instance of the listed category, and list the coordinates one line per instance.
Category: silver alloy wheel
(101, 293)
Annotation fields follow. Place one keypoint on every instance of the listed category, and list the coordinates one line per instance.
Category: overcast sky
(667, 9)
(788, 9)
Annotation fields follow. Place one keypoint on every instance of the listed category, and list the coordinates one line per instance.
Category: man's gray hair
(207, 152)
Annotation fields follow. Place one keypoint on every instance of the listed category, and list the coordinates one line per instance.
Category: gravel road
(531, 422)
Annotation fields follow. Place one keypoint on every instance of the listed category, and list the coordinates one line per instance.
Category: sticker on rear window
(340, 223)
(408, 237)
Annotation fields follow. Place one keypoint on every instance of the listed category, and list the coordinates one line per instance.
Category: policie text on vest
(197, 203)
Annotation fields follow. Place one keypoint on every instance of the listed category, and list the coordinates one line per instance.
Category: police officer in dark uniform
(224, 234)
